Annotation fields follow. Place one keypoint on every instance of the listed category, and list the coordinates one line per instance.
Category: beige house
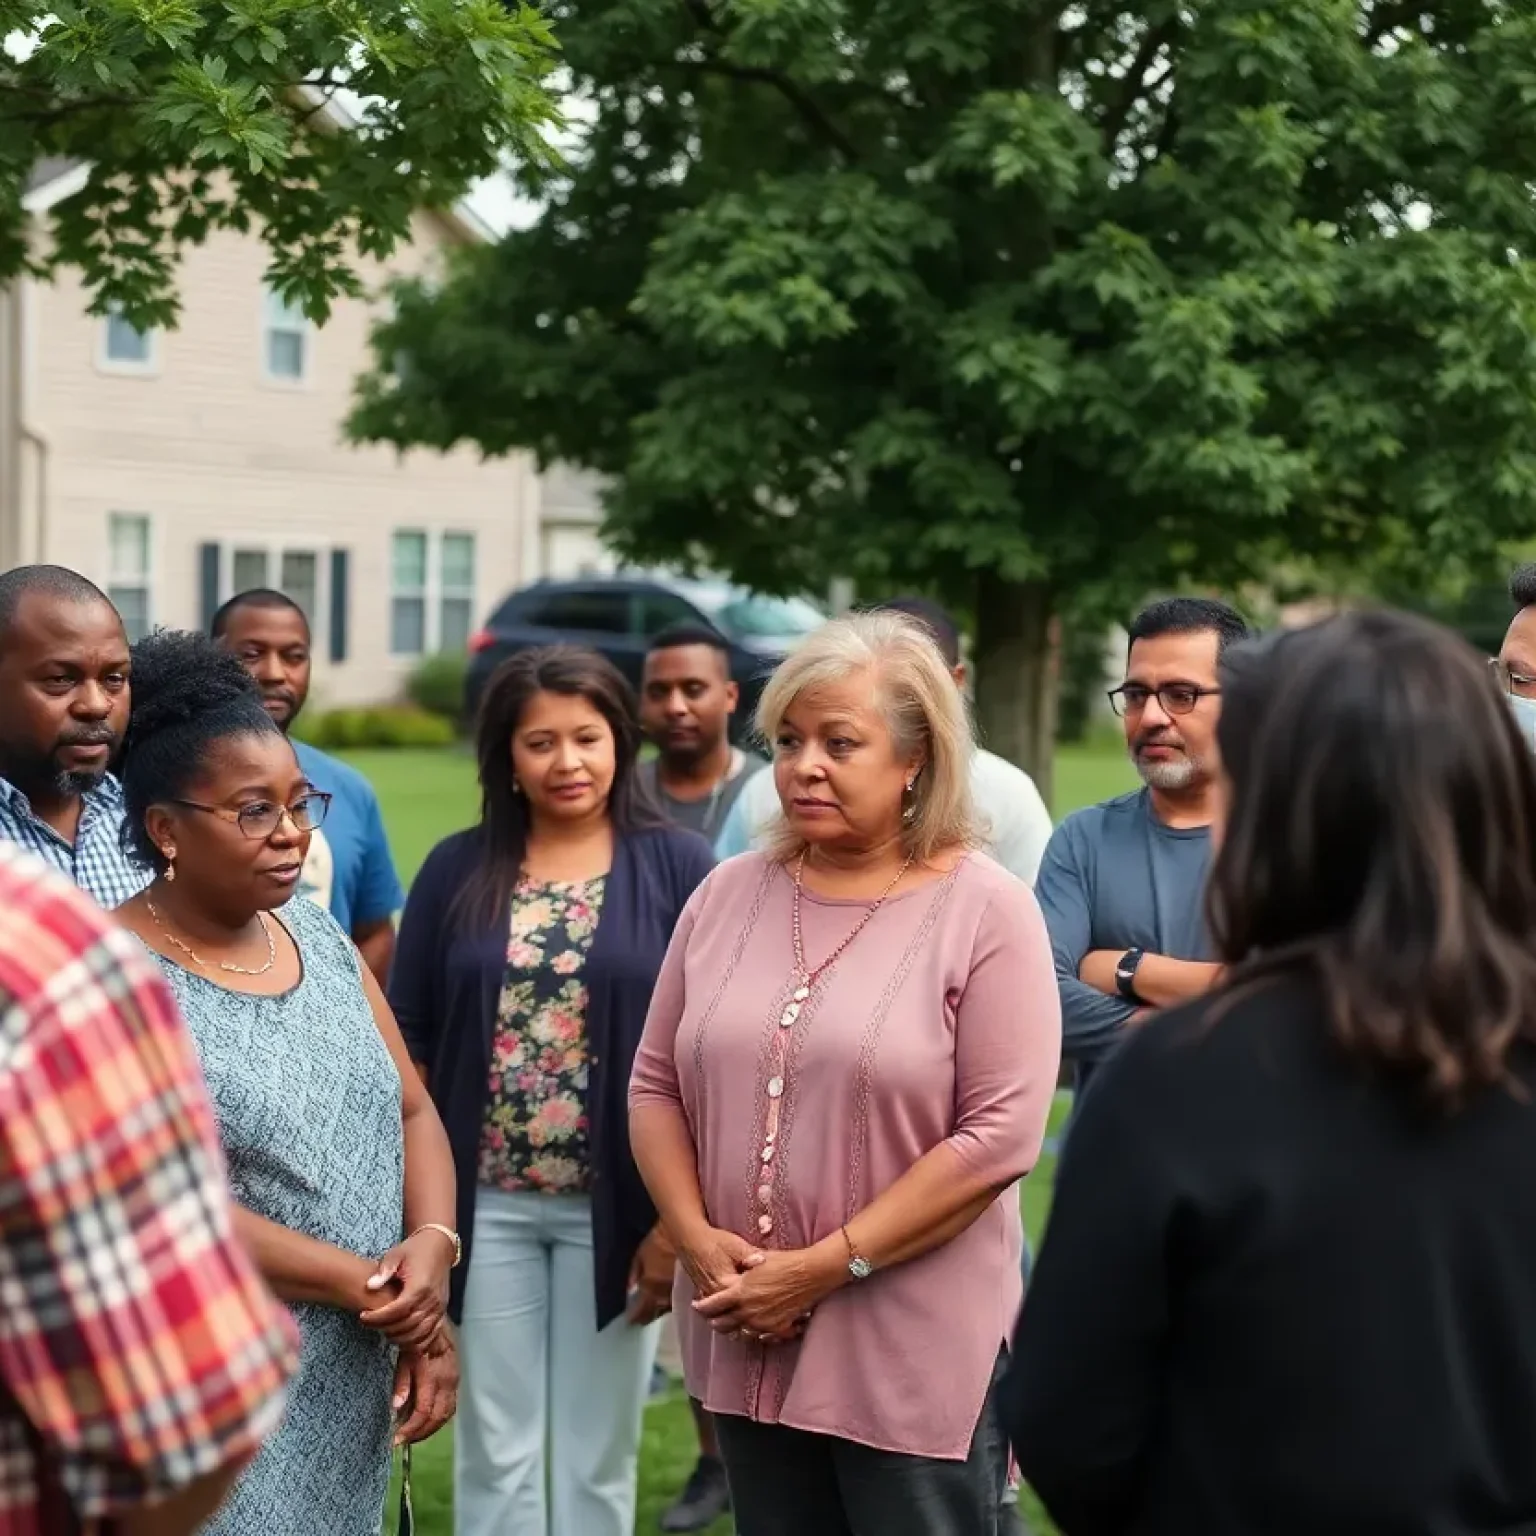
(176, 469)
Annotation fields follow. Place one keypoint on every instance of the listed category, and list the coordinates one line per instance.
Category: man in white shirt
(1018, 826)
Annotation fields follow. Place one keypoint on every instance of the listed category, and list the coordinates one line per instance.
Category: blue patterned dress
(308, 1103)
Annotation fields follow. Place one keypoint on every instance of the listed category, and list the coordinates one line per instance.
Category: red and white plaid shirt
(138, 1347)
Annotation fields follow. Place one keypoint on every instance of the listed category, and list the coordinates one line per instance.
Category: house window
(285, 339)
(247, 571)
(295, 571)
(128, 575)
(300, 580)
(125, 348)
(408, 595)
(456, 601)
(432, 599)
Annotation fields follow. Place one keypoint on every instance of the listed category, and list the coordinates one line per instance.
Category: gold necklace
(223, 965)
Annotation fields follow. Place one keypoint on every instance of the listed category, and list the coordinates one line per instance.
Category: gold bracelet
(449, 1233)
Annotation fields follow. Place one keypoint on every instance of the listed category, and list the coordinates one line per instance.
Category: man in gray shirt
(1122, 884)
(687, 698)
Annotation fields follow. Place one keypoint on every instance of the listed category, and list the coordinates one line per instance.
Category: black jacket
(1277, 1299)
(445, 987)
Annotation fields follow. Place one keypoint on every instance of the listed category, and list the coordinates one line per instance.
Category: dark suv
(620, 615)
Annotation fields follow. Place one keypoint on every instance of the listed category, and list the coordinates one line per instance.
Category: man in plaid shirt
(63, 710)
(142, 1360)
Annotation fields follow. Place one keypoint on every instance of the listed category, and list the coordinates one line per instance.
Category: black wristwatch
(1125, 972)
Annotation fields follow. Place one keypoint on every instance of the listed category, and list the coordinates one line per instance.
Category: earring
(169, 855)
(517, 788)
(909, 811)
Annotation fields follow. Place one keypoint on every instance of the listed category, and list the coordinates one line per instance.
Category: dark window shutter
(207, 583)
(340, 561)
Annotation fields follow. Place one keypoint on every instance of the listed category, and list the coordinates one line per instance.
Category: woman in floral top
(527, 956)
(535, 1132)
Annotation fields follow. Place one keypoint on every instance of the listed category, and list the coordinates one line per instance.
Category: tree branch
(58, 111)
(1153, 41)
(794, 94)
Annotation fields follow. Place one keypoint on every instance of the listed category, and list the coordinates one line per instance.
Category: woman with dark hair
(528, 951)
(1289, 1282)
(335, 1154)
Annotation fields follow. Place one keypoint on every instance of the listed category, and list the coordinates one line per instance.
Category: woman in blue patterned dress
(338, 1162)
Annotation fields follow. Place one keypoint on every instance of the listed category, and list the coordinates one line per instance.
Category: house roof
(56, 177)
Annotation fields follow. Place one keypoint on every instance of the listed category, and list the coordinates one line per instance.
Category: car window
(604, 612)
(658, 610)
(768, 618)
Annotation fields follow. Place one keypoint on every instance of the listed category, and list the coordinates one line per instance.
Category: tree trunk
(1017, 661)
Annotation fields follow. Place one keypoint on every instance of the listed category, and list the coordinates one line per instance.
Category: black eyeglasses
(1511, 681)
(260, 818)
(1175, 698)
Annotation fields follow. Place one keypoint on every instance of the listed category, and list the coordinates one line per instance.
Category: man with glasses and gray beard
(1122, 883)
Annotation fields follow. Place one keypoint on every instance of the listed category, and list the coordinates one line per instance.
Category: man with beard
(63, 709)
(348, 869)
(687, 699)
(1122, 884)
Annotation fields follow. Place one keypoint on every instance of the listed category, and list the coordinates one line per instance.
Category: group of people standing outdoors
(767, 1046)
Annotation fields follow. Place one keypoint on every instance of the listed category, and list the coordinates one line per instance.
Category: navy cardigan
(445, 986)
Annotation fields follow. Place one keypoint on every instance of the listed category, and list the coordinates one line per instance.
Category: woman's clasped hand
(426, 1388)
(767, 1296)
(412, 1281)
(418, 1271)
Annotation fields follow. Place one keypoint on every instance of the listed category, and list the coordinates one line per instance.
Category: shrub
(385, 725)
(437, 684)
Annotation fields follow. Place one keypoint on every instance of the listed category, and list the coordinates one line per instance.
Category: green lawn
(426, 795)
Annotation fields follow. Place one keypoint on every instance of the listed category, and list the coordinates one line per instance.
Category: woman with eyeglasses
(338, 1162)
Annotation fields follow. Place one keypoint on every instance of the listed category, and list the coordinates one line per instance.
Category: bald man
(63, 710)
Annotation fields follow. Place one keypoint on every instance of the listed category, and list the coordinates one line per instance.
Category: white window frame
(432, 592)
(149, 368)
(275, 549)
(152, 557)
(269, 298)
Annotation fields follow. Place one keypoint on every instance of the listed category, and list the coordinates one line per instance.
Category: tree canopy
(1006, 299)
(197, 115)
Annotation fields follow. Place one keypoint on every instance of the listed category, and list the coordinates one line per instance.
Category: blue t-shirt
(349, 868)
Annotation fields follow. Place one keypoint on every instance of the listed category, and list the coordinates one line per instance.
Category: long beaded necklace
(223, 965)
(805, 977)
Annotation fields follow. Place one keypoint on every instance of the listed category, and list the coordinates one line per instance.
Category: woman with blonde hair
(846, 1069)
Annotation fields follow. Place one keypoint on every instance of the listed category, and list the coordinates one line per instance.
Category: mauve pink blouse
(939, 1024)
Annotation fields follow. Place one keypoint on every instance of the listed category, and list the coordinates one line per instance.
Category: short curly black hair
(1522, 585)
(189, 694)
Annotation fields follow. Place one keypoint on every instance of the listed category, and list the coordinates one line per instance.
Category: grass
(427, 794)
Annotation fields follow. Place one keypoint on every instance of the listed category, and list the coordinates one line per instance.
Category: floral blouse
(535, 1134)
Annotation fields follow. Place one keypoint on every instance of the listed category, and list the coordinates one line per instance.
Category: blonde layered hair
(922, 708)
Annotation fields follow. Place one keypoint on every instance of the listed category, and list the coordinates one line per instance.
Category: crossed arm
(1093, 1012)
(1161, 981)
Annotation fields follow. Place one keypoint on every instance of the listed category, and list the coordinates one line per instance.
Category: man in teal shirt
(349, 869)
(1122, 884)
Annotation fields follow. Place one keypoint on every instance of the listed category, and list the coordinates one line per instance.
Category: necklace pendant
(801, 993)
(788, 1017)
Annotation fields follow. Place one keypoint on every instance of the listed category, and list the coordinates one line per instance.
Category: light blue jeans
(547, 1438)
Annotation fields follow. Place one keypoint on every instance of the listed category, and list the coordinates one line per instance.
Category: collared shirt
(97, 862)
(140, 1351)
